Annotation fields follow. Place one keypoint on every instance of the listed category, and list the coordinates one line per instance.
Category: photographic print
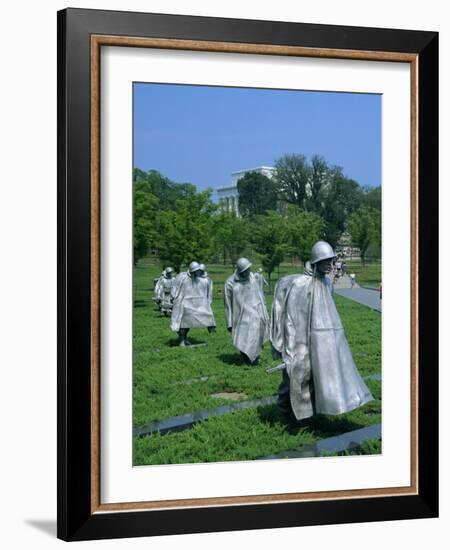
(244, 274)
(257, 276)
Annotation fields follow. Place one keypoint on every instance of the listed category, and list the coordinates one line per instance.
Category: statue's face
(324, 266)
(197, 273)
(245, 274)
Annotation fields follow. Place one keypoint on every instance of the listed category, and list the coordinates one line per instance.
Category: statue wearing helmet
(319, 373)
(157, 289)
(165, 291)
(192, 297)
(245, 311)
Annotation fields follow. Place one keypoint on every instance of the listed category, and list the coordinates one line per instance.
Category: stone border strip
(335, 444)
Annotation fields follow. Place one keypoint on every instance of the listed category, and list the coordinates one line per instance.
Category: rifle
(282, 366)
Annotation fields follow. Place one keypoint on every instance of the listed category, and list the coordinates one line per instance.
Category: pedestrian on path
(352, 280)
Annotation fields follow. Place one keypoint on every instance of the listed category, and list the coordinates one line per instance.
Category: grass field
(170, 381)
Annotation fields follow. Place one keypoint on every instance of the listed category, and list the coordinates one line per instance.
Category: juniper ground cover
(170, 381)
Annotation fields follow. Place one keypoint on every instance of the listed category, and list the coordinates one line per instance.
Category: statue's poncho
(192, 297)
(308, 333)
(246, 313)
(260, 279)
(157, 289)
(164, 294)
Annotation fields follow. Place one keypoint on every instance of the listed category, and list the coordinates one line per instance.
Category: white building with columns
(229, 197)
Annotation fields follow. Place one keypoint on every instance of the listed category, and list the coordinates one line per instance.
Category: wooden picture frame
(81, 35)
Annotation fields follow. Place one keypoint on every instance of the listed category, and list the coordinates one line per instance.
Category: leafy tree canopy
(167, 191)
(315, 186)
(185, 231)
(269, 239)
(292, 173)
(303, 229)
(230, 237)
(364, 226)
(257, 194)
(144, 230)
(372, 197)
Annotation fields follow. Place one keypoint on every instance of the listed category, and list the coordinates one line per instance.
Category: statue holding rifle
(319, 374)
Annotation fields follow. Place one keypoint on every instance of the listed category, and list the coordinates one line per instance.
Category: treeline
(280, 217)
(315, 186)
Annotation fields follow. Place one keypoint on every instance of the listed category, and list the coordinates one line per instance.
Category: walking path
(343, 282)
(369, 298)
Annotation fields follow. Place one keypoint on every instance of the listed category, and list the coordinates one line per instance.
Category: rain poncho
(192, 297)
(164, 293)
(308, 333)
(246, 313)
(260, 279)
(157, 289)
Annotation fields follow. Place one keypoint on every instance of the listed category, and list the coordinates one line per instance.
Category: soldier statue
(319, 374)
(164, 291)
(245, 312)
(259, 276)
(192, 298)
(157, 289)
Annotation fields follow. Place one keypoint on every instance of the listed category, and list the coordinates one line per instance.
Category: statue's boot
(183, 337)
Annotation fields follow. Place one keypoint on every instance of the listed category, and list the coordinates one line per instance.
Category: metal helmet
(202, 267)
(169, 270)
(194, 266)
(321, 251)
(243, 264)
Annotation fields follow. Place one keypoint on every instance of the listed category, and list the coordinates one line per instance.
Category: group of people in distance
(305, 331)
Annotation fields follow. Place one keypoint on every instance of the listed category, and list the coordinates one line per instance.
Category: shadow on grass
(174, 343)
(232, 359)
(272, 415)
(141, 303)
(328, 426)
(321, 425)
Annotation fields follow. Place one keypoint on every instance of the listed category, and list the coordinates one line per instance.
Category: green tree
(320, 176)
(269, 239)
(363, 225)
(185, 232)
(257, 194)
(372, 197)
(317, 187)
(166, 191)
(303, 229)
(230, 236)
(375, 247)
(292, 174)
(144, 213)
(343, 196)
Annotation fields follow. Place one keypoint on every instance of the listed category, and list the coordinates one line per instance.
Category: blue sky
(200, 134)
